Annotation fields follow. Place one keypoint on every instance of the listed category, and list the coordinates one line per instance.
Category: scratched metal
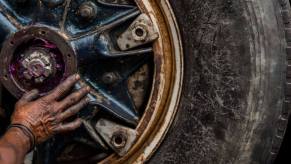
(91, 41)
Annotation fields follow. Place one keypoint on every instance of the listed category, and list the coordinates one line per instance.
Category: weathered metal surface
(139, 86)
(140, 32)
(118, 90)
(166, 89)
(118, 137)
(92, 132)
(121, 108)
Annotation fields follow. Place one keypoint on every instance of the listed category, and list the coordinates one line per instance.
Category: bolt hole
(139, 32)
(118, 140)
(12, 42)
(69, 55)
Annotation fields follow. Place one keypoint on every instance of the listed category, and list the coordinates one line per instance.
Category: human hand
(45, 117)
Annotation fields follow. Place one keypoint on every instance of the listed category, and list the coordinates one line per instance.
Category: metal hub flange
(36, 57)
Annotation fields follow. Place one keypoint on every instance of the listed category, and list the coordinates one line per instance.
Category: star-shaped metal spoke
(106, 68)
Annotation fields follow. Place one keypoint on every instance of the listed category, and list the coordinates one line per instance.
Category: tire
(234, 105)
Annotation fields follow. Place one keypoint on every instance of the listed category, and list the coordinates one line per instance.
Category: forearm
(13, 146)
(36, 120)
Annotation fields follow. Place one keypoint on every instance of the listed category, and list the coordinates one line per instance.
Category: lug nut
(53, 3)
(87, 11)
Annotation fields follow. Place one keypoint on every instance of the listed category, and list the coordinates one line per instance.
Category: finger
(74, 98)
(30, 96)
(68, 127)
(63, 88)
(73, 110)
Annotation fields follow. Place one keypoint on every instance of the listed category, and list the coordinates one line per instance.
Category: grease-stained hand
(45, 116)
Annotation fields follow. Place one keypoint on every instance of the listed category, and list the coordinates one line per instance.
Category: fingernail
(88, 89)
(77, 76)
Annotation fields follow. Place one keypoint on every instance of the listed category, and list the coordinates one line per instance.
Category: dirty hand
(45, 116)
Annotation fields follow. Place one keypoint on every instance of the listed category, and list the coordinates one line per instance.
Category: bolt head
(87, 11)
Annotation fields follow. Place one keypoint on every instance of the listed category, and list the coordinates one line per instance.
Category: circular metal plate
(16, 86)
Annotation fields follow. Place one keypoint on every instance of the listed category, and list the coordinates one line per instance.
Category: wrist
(25, 133)
(18, 137)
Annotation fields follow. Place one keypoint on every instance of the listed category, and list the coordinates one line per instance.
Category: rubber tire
(233, 105)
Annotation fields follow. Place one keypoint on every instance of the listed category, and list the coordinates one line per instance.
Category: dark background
(285, 152)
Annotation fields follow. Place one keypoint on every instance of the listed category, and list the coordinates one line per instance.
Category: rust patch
(138, 84)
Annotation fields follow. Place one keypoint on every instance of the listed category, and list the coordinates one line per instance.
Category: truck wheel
(173, 81)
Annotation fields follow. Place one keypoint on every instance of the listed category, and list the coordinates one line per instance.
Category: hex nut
(87, 11)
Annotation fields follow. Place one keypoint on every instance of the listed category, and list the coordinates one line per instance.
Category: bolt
(87, 11)
(37, 65)
(119, 139)
(53, 3)
(110, 78)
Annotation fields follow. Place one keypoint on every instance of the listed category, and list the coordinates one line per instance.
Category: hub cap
(37, 65)
(36, 58)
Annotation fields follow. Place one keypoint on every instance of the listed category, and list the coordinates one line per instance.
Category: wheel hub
(38, 65)
(36, 57)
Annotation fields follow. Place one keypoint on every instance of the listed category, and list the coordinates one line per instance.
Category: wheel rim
(135, 86)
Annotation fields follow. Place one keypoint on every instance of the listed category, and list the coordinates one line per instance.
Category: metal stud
(90, 129)
(87, 11)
